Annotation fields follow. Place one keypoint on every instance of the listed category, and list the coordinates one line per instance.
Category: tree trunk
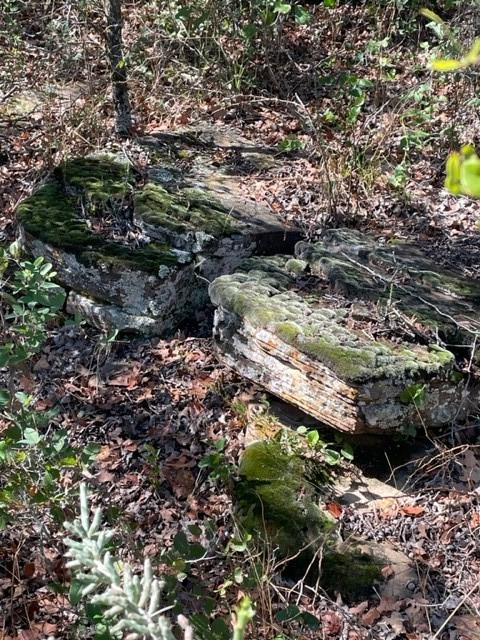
(123, 115)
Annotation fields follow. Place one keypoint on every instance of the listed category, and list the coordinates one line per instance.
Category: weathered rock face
(136, 254)
(279, 498)
(351, 332)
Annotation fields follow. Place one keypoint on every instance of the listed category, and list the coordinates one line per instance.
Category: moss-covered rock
(52, 216)
(182, 211)
(322, 337)
(133, 247)
(98, 178)
(399, 276)
(351, 573)
(266, 298)
(278, 496)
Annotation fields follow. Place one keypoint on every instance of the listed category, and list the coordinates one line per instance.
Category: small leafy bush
(31, 300)
(33, 454)
(332, 456)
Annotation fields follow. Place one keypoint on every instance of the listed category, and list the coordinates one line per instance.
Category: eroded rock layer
(137, 251)
(356, 334)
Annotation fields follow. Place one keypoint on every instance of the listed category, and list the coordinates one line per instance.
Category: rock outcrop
(280, 498)
(361, 335)
(358, 335)
(137, 252)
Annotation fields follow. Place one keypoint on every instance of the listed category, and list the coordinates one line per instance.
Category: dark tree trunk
(123, 115)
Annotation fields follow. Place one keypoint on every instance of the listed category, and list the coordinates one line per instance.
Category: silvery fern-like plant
(131, 602)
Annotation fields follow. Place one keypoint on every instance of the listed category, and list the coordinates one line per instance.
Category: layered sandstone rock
(136, 251)
(358, 335)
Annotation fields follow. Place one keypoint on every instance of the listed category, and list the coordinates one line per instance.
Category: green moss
(262, 296)
(351, 573)
(98, 178)
(461, 287)
(295, 266)
(182, 211)
(457, 377)
(351, 363)
(50, 216)
(277, 499)
(440, 355)
(288, 331)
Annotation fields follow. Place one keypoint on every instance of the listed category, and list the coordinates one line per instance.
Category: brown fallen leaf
(412, 509)
(129, 378)
(475, 520)
(334, 509)
(371, 617)
(387, 571)
(105, 476)
(44, 629)
(41, 364)
(359, 609)
(468, 626)
(387, 605)
(331, 623)
(181, 481)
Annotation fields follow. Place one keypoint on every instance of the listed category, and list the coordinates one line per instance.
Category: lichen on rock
(398, 275)
(341, 341)
(266, 298)
(134, 247)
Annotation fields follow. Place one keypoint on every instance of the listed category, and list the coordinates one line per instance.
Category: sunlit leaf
(431, 15)
(470, 176)
(452, 180)
(282, 7)
(31, 436)
(302, 16)
(445, 64)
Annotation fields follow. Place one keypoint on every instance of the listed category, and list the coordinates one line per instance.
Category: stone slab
(137, 251)
(314, 330)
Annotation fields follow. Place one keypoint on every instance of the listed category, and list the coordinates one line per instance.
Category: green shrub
(33, 453)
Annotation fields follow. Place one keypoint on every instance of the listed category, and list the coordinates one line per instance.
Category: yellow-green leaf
(431, 15)
(473, 55)
(470, 176)
(452, 180)
(445, 64)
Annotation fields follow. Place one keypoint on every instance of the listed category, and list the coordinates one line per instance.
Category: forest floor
(354, 91)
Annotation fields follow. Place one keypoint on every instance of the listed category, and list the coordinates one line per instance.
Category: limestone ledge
(396, 275)
(281, 327)
(262, 299)
(183, 236)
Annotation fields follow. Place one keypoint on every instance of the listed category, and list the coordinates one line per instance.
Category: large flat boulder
(136, 251)
(362, 336)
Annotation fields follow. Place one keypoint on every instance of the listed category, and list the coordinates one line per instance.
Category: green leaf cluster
(463, 172)
(30, 300)
(33, 454)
